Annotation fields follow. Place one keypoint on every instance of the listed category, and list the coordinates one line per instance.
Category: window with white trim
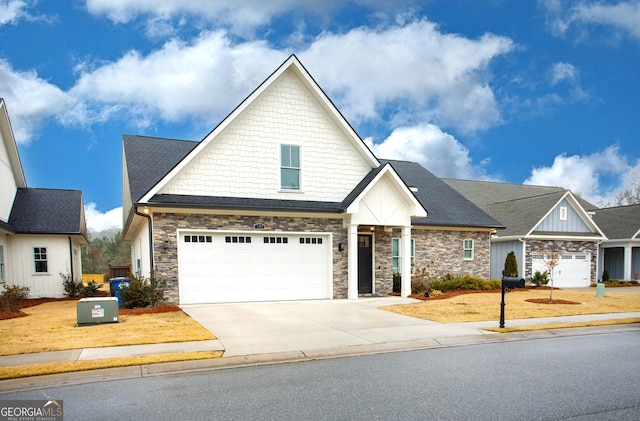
(563, 213)
(396, 254)
(40, 260)
(289, 167)
(468, 249)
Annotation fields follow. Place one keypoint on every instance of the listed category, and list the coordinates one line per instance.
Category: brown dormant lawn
(486, 306)
(51, 327)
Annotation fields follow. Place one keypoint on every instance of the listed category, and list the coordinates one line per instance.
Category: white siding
(383, 204)
(58, 261)
(573, 223)
(244, 160)
(140, 251)
(8, 186)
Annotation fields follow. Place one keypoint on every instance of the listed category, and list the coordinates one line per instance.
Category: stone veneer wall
(383, 261)
(559, 247)
(441, 252)
(165, 226)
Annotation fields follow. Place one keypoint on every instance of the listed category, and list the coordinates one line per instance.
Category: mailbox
(508, 282)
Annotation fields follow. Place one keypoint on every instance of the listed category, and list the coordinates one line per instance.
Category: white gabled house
(283, 200)
(41, 230)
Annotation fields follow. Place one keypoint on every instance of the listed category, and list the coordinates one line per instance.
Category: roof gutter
(71, 258)
(150, 223)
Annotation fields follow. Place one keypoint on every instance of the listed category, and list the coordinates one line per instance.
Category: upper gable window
(563, 213)
(289, 167)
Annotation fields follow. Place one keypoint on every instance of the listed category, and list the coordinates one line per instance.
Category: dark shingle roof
(47, 211)
(622, 222)
(148, 159)
(518, 206)
(242, 203)
(444, 205)
(151, 158)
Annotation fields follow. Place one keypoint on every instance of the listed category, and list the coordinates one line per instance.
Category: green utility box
(97, 310)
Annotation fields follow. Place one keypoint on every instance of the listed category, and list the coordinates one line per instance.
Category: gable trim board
(293, 64)
(228, 182)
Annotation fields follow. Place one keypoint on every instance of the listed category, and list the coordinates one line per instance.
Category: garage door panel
(572, 270)
(250, 267)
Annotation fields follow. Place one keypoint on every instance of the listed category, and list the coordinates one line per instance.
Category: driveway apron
(268, 327)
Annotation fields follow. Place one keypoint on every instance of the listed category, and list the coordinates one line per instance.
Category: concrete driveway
(268, 327)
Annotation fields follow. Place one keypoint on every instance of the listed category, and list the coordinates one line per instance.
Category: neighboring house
(541, 223)
(283, 200)
(41, 230)
(620, 253)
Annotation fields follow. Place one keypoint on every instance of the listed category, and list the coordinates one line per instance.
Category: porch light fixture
(166, 245)
(340, 247)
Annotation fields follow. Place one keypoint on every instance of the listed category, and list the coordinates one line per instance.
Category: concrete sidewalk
(310, 327)
(271, 333)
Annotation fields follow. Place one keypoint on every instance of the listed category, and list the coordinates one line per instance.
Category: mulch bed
(548, 301)
(122, 312)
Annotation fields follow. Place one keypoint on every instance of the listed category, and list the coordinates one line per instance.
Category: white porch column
(627, 263)
(405, 253)
(352, 257)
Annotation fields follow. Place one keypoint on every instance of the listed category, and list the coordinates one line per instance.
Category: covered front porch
(384, 206)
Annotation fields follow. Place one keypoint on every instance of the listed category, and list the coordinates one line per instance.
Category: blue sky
(536, 92)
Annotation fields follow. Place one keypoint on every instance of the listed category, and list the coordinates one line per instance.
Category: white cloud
(623, 17)
(583, 175)
(12, 10)
(240, 15)
(204, 78)
(426, 76)
(98, 221)
(30, 99)
(419, 72)
(561, 72)
(434, 149)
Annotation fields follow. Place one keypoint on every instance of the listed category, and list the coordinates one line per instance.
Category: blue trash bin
(115, 285)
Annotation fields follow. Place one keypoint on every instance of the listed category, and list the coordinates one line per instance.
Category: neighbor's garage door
(572, 270)
(215, 267)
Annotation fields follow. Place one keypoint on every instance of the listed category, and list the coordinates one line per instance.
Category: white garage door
(572, 270)
(216, 267)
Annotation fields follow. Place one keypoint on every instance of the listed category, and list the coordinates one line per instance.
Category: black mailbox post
(508, 283)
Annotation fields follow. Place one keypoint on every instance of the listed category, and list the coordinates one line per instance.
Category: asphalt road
(592, 377)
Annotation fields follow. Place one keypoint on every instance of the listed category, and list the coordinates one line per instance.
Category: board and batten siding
(8, 186)
(244, 159)
(573, 222)
(499, 251)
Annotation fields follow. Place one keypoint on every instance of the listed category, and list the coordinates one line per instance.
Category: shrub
(91, 289)
(510, 265)
(12, 296)
(71, 288)
(463, 282)
(397, 282)
(540, 279)
(142, 292)
(419, 285)
(605, 276)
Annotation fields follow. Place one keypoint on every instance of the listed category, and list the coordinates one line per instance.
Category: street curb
(152, 370)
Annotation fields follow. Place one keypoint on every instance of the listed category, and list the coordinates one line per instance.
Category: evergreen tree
(510, 265)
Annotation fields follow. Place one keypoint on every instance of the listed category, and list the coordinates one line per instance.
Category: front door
(365, 264)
